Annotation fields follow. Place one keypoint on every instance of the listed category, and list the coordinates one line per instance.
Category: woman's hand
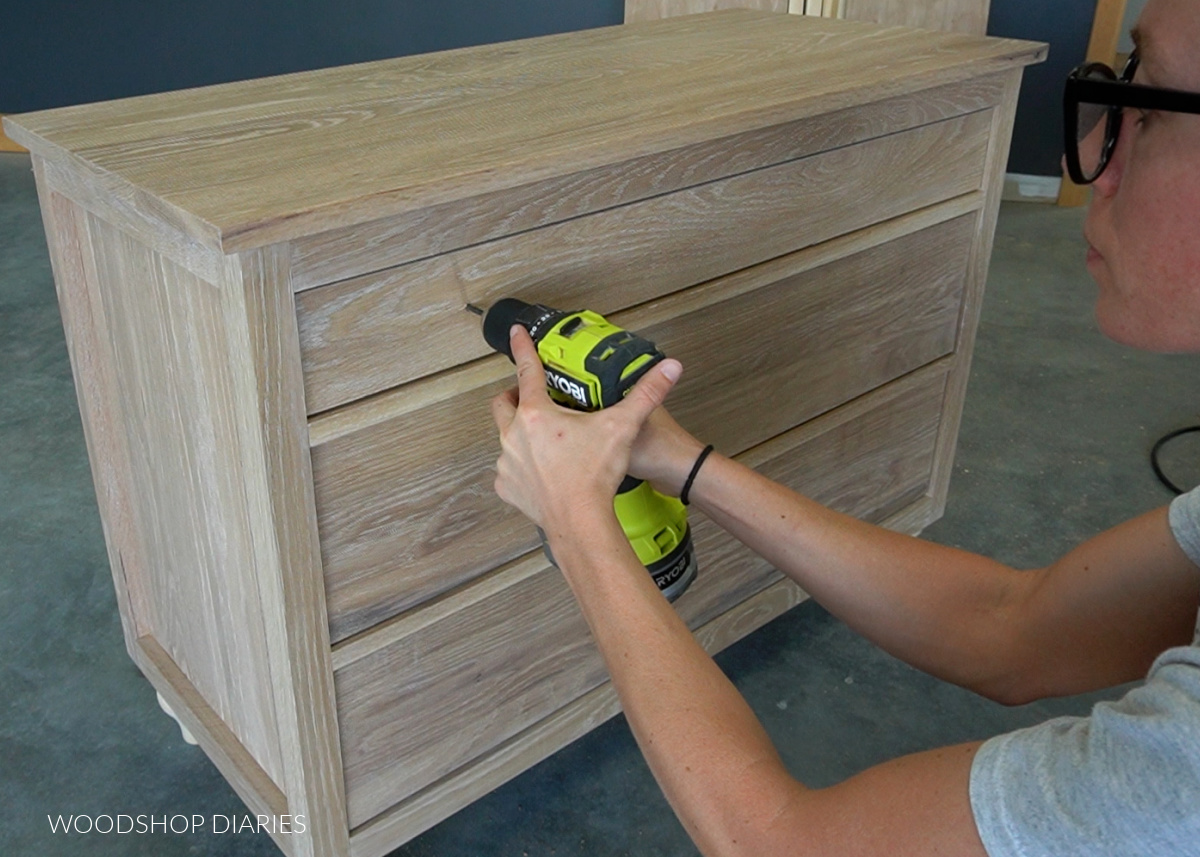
(556, 463)
(663, 453)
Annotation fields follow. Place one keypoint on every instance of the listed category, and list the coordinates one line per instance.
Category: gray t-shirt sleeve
(1185, 523)
(1124, 781)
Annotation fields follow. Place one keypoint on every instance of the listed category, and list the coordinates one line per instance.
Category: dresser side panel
(174, 381)
(1000, 139)
(95, 376)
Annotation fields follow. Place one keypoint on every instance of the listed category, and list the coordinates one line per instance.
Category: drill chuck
(506, 312)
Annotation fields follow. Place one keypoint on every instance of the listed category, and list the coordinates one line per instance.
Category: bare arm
(1095, 618)
(708, 752)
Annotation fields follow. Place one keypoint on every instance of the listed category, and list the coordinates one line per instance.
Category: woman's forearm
(938, 608)
(706, 748)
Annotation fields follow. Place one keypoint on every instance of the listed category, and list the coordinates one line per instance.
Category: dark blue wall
(59, 52)
(1066, 25)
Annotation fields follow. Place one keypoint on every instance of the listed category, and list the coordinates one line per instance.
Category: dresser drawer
(403, 484)
(352, 251)
(428, 693)
(374, 332)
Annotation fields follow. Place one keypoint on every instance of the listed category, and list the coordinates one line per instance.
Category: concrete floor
(1053, 448)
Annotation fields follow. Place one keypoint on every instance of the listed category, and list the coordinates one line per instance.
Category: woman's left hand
(556, 462)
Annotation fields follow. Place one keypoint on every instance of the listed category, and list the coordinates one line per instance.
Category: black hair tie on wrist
(687, 485)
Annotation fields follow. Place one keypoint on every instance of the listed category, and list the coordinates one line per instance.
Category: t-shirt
(1123, 781)
(1185, 524)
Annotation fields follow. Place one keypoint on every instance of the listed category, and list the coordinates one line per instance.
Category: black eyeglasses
(1095, 99)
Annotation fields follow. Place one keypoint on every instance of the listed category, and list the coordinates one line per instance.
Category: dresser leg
(187, 736)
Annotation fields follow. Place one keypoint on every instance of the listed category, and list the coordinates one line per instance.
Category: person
(1123, 605)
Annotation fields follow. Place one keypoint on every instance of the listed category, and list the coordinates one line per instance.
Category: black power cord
(1162, 477)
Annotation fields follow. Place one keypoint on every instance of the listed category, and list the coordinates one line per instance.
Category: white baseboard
(1025, 188)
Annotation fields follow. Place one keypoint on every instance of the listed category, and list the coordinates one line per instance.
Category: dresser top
(241, 165)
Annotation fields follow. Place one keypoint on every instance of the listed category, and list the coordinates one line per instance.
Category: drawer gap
(395, 401)
(370, 640)
(516, 233)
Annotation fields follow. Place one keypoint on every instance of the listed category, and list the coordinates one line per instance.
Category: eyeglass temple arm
(1121, 94)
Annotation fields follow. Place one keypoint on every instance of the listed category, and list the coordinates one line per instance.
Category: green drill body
(591, 364)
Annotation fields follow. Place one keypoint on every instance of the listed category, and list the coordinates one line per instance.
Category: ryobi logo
(570, 387)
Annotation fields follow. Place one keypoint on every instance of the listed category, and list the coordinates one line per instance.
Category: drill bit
(474, 309)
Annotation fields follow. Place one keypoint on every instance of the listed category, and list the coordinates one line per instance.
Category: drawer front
(377, 331)
(500, 656)
(352, 251)
(405, 504)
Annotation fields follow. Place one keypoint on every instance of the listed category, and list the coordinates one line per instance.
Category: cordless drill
(591, 364)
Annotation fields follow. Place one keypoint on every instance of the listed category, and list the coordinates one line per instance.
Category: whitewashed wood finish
(174, 392)
(410, 397)
(130, 210)
(962, 16)
(497, 661)
(406, 510)
(367, 247)
(96, 385)
(194, 234)
(374, 332)
(374, 140)
(249, 780)
(482, 775)
(653, 10)
(166, 372)
(418, 814)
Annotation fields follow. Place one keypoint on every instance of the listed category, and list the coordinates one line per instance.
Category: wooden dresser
(287, 409)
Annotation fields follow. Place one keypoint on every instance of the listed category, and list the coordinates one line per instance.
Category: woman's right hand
(663, 453)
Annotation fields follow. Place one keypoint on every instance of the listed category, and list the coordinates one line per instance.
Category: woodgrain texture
(963, 16)
(287, 410)
(477, 778)
(174, 390)
(976, 279)
(167, 438)
(246, 164)
(132, 213)
(368, 247)
(406, 507)
(373, 332)
(94, 371)
(653, 10)
(453, 684)
(277, 481)
(247, 777)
